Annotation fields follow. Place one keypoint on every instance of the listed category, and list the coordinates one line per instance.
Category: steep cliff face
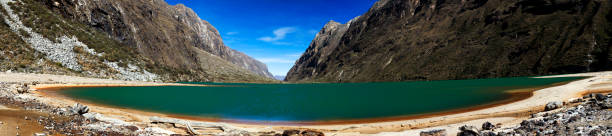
(212, 42)
(159, 31)
(130, 40)
(398, 40)
(316, 55)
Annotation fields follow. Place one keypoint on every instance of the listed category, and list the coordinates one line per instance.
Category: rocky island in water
(402, 68)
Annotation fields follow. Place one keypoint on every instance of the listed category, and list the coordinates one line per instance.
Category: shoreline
(515, 95)
(509, 114)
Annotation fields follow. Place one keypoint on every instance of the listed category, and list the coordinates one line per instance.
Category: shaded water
(310, 102)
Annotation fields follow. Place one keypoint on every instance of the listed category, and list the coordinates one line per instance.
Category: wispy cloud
(312, 31)
(232, 33)
(275, 60)
(279, 34)
(294, 55)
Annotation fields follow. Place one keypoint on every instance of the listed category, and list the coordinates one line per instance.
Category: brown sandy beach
(507, 113)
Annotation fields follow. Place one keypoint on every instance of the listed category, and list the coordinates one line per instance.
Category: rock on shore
(592, 117)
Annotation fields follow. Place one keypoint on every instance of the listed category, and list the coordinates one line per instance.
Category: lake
(315, 102)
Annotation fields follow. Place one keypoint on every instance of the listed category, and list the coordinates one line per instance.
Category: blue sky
(275, 32)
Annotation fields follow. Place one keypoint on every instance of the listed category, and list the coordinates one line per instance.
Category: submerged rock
(435, 132)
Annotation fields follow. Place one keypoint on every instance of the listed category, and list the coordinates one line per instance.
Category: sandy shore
(508, 114)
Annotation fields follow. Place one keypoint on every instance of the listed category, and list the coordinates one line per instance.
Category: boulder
(80, 109)
(434, 132)
(468, 131)
(312, 133)
(23, 89)
(488, 126)
(600, 97)
(553, 105)
(291, 133)
(488, 133)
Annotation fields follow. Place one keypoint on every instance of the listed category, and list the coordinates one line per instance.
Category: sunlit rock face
(164, 33)
(400, 40)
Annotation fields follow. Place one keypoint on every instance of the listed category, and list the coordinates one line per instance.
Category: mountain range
(403, 40)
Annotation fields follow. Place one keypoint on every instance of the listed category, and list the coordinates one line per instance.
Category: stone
(468, 131)
(488, 133)
(488, 126)
(23, 89)
(80, 109)
(434, 132)
(291, 133)
(600, 97)
(312, 133)
(553, 105)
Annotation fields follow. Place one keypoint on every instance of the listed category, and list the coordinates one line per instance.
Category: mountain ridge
(113, 39)
(464, 39)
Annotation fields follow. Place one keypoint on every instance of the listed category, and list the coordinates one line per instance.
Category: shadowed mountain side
(400, 40)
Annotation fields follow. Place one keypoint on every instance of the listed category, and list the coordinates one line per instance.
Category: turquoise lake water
(310, 102)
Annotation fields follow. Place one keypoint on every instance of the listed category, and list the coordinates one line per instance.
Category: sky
(275, 32)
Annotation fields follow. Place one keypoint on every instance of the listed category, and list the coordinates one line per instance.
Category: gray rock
(488, 126)
(488, 133)
(80, 109)
(312, 133)
(468, 131)
(291, 133)
(434, 132)
(553, 105)
(600, 97)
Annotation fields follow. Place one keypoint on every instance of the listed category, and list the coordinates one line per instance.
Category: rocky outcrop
(315, 56)
(163, 33)
(65, 51)
(591, 117)
(399, 40)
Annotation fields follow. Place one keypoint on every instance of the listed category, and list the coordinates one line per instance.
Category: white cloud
(279, 34)
(275, 60)
(231, 33)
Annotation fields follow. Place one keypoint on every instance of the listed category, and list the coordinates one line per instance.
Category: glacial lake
(316, 102)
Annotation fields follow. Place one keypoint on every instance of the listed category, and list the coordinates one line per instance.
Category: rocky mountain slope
(151, 25)
(170, 42)
(399, 40)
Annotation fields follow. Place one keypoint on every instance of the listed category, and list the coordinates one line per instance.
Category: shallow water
(311, 102)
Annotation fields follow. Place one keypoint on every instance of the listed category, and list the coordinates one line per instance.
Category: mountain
(400, 40)
(122, 36)
(278, 77)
